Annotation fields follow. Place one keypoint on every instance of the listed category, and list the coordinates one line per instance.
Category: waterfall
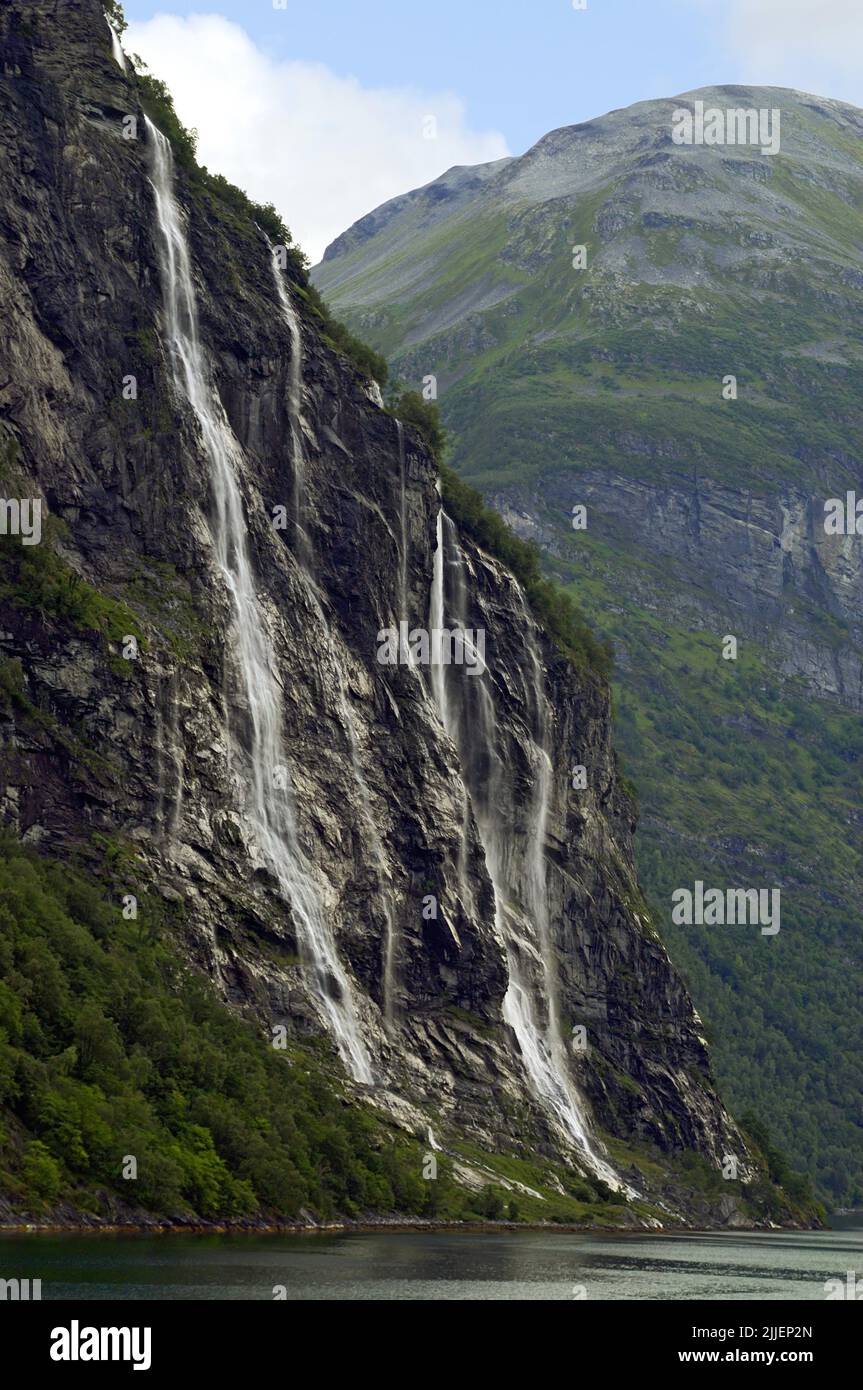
(403, 615)
(439, 675)
(389, 984)
(295, 398)
(346, 714)
(116, 47)
(180, 768)
(271, 800)
(518, 876)
(403, 525)
(437, 622)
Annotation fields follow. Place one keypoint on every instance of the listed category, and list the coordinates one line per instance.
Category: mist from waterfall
(518, 877)
(270, 803)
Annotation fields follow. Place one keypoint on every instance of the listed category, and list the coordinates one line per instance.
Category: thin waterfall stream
(516, 878)
(116, 46)
(335, 667)
(270, 804)
(295, 412)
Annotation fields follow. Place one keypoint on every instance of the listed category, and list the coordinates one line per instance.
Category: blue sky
(320, 105)
(522, 66)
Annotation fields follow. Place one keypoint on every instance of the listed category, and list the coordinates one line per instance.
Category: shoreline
(394, 1227)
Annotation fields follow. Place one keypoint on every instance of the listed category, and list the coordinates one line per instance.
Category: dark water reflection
(438, 1266)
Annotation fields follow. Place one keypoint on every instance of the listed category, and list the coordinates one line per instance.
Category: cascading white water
(295, 396)
(403, 524)
(390, 972)
(468, 713)
(176, 819)
(271, 802)
(537, 868)
(437, 622)
(403, 614)
(334, 666)
(439, 676)
(549, 1064)
(116, 47)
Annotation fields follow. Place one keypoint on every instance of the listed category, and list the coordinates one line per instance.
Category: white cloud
(321, 147)
(814, 45)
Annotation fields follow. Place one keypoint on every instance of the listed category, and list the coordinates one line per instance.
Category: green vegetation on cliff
(110, 1049)
(791, 1054)
(37, 577)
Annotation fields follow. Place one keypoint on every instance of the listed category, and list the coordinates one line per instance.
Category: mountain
(298, 920)
(601, 379)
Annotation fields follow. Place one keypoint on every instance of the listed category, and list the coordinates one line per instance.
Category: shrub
(159, 106)
(369, 362)
(114, 11)
(41, 1172)
(424, 415)
(37, 577)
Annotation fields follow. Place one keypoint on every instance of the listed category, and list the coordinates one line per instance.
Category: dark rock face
(101, 750)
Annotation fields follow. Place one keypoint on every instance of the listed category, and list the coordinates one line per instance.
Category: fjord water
(438, 1266)
(270, 802)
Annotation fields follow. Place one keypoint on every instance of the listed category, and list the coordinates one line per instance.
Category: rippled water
(437, 1266)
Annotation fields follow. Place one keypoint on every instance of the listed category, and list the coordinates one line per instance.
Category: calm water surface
(438, 1266)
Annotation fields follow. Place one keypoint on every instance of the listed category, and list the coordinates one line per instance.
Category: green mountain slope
(603, 386)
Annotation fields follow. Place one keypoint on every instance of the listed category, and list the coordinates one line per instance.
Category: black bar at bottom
(280, 1339)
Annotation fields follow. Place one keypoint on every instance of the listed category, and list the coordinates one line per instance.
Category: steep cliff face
(441, 893)
(669, 336)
